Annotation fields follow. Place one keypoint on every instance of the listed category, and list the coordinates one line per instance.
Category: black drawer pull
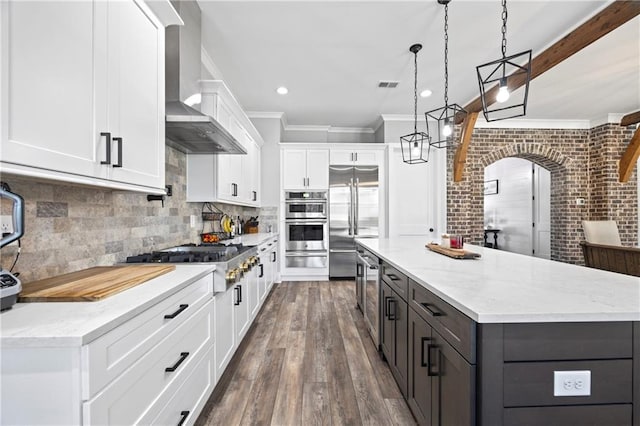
(176, 313)
(261, 271)
(174, 367)
(107, 137)
(183, 417)
(394, 317)
(430, 360)
(119, 163)
(423, 363)
(237, 290)
(431, 312)
(393, 277)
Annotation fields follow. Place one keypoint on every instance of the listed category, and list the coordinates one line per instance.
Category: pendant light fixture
(415, 146)
(445, 116)
(495, 78)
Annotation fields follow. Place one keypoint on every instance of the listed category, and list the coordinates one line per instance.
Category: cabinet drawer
(396, 280)
(108, 356)
(128, 398)
(531, 383)
(563, 416)
(190, 397)
(456, 328)
(560, 341)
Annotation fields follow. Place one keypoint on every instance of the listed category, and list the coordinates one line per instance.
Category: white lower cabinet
(225, 335)
(241, 308)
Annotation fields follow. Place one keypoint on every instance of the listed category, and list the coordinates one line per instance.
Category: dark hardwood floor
(307, 360)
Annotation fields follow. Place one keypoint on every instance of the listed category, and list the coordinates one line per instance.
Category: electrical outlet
(580, 202)
(572, 383)
(6, 224)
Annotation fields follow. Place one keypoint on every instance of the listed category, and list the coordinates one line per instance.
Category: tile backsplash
(72, 227)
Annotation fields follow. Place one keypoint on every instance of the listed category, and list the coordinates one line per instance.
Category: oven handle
(306, 222)
(305, 254)
(307, 201)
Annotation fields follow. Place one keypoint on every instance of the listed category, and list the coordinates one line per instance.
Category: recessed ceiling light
(282, 90)
(425, 93)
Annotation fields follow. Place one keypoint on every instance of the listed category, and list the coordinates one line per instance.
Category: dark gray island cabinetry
(509, 339)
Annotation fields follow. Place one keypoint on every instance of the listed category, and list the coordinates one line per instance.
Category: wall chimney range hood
(187, 129)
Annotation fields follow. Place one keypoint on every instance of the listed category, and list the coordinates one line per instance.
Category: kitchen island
(508, 339)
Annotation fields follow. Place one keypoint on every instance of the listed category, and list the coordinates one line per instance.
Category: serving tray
(454, 253)
(90, 284)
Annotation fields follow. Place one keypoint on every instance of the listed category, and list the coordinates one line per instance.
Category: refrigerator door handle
(357, 207)
(350, 213)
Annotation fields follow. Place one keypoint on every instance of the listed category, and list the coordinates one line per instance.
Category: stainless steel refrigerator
(353, 213)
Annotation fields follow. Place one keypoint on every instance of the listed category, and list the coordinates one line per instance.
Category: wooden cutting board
(455, 253)
(90, 284)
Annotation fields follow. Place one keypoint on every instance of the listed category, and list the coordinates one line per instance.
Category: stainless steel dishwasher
(368, 291)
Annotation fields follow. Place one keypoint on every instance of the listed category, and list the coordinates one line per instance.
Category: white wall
(511, 209)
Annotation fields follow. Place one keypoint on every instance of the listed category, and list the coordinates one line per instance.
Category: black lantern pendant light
(445, 116)
(415, 146)
(495, 78)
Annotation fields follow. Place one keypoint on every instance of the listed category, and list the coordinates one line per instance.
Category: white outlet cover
(572, 383)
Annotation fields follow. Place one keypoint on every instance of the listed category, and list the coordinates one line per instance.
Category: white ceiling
(331, 55)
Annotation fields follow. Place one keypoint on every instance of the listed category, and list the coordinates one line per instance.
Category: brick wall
(583, 164)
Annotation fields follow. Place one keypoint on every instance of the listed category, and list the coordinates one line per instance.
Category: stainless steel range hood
(187, 129)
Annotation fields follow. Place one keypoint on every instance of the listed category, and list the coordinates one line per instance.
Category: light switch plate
(572, 383)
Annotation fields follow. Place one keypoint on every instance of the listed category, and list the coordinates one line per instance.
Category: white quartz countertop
(503, 287)
(252, 239)
(64, 324)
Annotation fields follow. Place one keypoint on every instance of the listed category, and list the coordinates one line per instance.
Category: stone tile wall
(583, 164)
(73, 227)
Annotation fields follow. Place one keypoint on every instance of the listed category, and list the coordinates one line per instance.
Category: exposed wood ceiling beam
(465, 139)
(630, 157)
(611, 17)
(630, 119)
(616, 14)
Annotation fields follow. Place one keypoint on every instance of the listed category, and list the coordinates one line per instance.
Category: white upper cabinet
(305, 169)
(360, 157)
(227, 178)
(83, 93)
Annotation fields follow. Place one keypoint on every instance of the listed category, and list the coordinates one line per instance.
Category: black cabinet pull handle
(431, 311)
(273, 258)
(174, 367)
(183, 417)
(240, 288)
(261, 271)
(430, 362)
(394, 317)
(176, 313)
(423, 363)
(393, 277)
(237, 302)
(387, 299)
(119, 141)
(255, 195)
(107, 137)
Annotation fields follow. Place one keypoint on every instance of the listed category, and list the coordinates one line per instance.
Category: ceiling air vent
(388, 84)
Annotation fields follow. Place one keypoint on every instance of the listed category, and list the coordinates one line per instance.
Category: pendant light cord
(415, 92)
(504, 28)
(446, 55)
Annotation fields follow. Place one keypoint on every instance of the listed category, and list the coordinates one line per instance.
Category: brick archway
(552, 160)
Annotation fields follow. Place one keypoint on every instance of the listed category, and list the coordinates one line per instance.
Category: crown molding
(533, 124)
(265, 114)
(356, 130)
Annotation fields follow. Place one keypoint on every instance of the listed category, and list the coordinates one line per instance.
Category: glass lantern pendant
(499, 79)
(415, 146)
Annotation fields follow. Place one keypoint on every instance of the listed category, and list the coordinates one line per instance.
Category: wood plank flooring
(307, 360)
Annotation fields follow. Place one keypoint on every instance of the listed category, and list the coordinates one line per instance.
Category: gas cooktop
(190, 253)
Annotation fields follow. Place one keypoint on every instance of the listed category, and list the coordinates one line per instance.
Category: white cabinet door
(294, 163)
(49, 86)
(228, 176)
(225, 343)
(341, 157)
(318, 169)
(368, 157)
(136, 101)
(241, 308)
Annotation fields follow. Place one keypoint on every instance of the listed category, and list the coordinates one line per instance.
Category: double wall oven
(306, 230)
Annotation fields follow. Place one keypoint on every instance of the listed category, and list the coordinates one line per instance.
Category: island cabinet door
(387, 324)
(394, 335)
(419, 392)
(453, 385)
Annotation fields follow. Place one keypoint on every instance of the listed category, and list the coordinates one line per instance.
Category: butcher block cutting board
(455, 253)
(91, 284)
